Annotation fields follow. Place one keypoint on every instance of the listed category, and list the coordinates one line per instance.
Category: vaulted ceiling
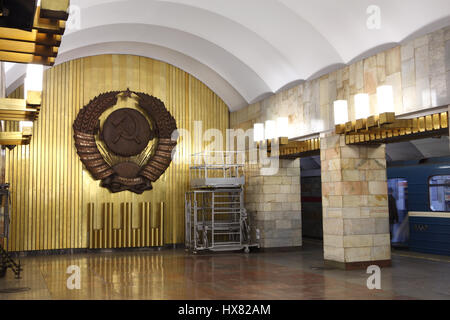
(245, 50)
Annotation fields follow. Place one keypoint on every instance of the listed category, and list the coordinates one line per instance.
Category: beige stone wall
(418, 70)
(355, 202)
(273, 203)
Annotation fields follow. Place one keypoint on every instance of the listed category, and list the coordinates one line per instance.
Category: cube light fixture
(340, 112)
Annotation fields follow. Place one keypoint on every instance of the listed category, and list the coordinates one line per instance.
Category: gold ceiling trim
(291, 149)
(383, 128)
(386, 128)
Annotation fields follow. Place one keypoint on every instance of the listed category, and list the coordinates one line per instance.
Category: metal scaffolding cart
(215, 215)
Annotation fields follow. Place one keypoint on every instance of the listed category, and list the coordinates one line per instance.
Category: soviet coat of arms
(131, 147)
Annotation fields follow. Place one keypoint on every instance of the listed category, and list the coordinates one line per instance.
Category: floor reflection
(174, 274)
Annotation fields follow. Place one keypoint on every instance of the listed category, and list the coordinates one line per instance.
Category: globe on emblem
(126, 132)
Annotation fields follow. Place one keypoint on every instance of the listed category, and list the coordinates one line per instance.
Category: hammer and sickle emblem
(126, 128)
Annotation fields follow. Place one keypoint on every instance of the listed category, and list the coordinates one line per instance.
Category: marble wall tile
(448, 83)
(381, 225)
(333, 226)
(438, 90)
(437, 60)
(381, 67)
(333, 253)
(395, 80)
(422, 62)
(447, 55)
(359, 76)
(410, 101)
(423, 93)
(333, 241)
(370, 75)
(332, 213)
(436, 39)
(377, 187)
(359, 226)
(393, 61)
(351, 213)
(447, 33)
(419, 42)
(346, 73)
(381, 239)
(407, 51)
(381, 252)
(350, 201)
(358, 254)
(408, 73)
(357, 241)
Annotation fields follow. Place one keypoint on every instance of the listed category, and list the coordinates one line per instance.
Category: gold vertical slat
(444, 120)
(91, 224)
(110, 226)
(421, 124)
(152, 241)
(429, 123)
(127, 225)
(149, 224)
(161, 224)
(436, 121)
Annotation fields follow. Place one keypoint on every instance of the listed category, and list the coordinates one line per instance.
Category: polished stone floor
(174, 274)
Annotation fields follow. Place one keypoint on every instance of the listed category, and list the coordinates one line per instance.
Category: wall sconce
(23, 110)
(340, 112)
(26, 127)
(385, 97)
(258, 132)
(270, 131)
(362, 106)
(282, 127)
(33, 84)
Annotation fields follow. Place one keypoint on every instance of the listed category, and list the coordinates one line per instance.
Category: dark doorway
(311, 191)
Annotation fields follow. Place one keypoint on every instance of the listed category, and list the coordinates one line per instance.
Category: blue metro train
(422, 189)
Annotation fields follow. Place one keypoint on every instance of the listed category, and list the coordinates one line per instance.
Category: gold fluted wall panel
(52, 192)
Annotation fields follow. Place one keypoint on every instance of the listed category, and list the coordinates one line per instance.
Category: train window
(439, 191)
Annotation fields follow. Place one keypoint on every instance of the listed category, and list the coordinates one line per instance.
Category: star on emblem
(127, 93)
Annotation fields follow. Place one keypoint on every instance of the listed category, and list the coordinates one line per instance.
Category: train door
(400, 230)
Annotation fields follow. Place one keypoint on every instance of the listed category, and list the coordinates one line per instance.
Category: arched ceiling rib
(245, 50)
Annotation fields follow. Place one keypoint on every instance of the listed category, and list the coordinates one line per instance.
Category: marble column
(273, 203)
(355, 204)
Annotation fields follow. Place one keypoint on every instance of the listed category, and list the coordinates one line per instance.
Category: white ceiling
(246, 50)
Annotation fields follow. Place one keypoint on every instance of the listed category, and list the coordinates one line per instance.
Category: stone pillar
(273, 203)
(355, 204)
